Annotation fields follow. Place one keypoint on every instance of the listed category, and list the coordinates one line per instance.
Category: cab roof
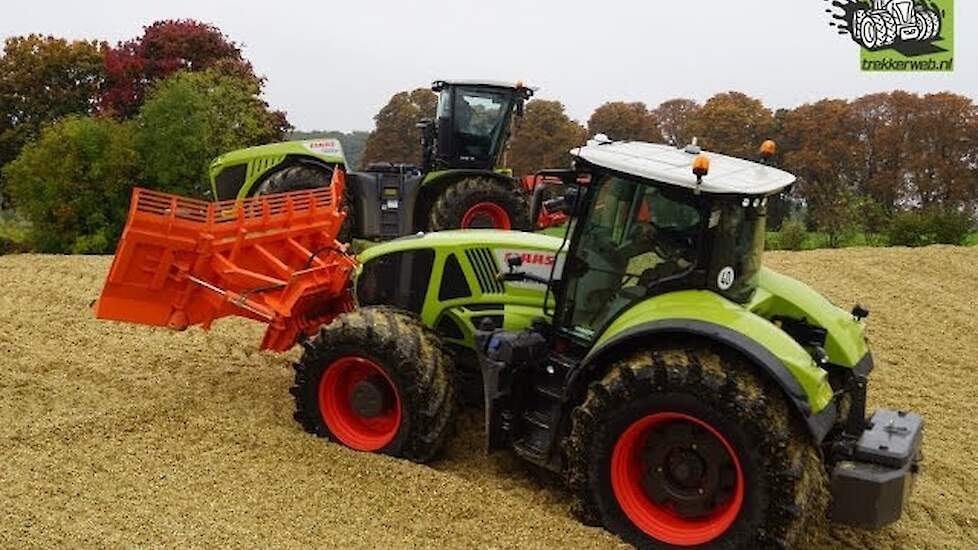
(674, 166)
(477, 82)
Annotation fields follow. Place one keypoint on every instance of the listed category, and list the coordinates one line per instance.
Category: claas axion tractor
(688, 395)
(459, 184)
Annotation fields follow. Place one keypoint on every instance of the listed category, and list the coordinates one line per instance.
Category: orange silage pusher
(274, 259)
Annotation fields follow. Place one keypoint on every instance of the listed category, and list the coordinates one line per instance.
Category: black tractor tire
(409, 356)
(463, 197)
(307, 176)
(784, 481)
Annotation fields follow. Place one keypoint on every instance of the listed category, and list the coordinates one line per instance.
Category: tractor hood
(781, 297)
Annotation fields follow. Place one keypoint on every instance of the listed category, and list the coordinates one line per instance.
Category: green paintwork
(781, 296)
(263, 158)
(519, 304)
(707, 306)
(777, 296)
(450, 176)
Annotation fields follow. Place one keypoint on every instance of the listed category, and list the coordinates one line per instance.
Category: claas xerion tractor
(459, 183)
(688, 395)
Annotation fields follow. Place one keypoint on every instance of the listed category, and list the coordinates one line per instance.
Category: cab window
(632, 238)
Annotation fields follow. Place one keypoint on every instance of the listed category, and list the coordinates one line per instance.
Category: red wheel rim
(660, 520)
(345, 422)
(486, 215)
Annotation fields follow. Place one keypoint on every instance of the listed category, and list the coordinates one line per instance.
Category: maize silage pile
(120, 436)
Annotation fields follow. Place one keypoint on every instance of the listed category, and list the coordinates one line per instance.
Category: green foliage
(971, 239)
(396, 137)
(925, 227)
(42, 79)
(353, 143)
(14, 233)
(793, 234)
(191, 118)
(73, 184)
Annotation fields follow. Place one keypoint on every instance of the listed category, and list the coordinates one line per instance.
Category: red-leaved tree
(165, 48)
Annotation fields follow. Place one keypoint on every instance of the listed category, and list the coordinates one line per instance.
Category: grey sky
(332, 64)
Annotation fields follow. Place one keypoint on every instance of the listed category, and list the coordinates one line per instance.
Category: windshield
(480, 119)
(632, 240)
(738, 247)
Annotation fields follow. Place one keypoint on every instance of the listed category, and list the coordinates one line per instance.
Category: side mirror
(550, 211)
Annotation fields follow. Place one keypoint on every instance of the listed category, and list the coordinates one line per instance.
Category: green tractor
(688, 395)
(458, 185)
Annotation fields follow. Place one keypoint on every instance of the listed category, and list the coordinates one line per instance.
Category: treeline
(81, 122)
(897, 164)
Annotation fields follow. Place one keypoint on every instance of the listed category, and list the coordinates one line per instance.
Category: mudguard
(234, 174)
(706, 314)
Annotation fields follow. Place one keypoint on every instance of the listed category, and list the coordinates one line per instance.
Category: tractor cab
(646, 225)
(472, 123)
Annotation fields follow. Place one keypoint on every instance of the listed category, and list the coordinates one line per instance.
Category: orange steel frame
(274, 259)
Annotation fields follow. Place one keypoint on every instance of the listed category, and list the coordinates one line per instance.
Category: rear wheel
(377, 380)
(480, 203)
(305, 176)
(689, 447)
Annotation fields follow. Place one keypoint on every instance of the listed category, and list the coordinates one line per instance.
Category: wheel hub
(369, 398)
(687, 470)
(486, 215)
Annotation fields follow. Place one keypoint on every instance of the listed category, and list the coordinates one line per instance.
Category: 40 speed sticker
(726, 278)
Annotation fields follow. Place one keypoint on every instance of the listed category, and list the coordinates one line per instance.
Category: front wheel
(689, 447)
(480, 203)
(377, 380)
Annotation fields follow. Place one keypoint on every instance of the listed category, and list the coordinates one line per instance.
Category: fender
(259, 161)
(707, 315)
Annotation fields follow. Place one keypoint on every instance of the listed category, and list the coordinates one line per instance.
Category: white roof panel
(728, 175)
(477, 82)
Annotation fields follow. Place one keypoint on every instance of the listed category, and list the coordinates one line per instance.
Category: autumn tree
(164, 48)
(625, 121)
(732, 123)
(396, 137)
(77, 204)
(544, 139)
(42, 79)
(674, 117)
(191, 118)
(823, 148)
(941, 150)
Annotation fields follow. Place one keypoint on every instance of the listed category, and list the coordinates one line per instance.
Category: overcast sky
(333, 64)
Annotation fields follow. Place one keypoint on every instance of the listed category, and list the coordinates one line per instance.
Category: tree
(191, 118)
(396, 137)
(941, 149)
(823, 148)
(732, 123)
(164, 48)
(41, 80)
(625, 121)
(77, 204)
(673, 117)
(544, 138)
